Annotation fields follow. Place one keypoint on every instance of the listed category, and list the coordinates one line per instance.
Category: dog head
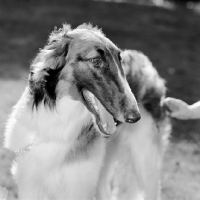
(86, 65)
(145, 82)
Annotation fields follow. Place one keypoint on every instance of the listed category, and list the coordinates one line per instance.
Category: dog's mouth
(105, 121)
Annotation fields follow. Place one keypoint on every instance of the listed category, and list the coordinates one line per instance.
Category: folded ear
(46, 67)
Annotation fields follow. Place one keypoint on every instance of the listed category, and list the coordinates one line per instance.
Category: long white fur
(133, 161)
(50, 147)
(15, 129)
(54, 168)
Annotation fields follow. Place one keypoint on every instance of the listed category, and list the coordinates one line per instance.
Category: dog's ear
(46, 67)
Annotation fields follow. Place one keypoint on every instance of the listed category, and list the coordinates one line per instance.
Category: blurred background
(168, 32)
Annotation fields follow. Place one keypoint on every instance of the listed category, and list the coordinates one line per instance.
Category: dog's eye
(96, 61)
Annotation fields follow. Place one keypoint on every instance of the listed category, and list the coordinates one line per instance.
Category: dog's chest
(87, 141)
(69, 173)
(82, 164)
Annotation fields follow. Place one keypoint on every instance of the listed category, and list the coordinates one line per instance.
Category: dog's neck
(64, 123)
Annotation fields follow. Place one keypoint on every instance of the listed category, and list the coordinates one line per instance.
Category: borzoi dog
(59, 127)
(134, 154)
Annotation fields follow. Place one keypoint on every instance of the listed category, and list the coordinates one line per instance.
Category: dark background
(169, 37)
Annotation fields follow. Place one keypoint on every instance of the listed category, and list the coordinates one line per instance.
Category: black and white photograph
(99, 99)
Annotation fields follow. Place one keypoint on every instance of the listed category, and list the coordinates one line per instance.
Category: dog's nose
(132, 118)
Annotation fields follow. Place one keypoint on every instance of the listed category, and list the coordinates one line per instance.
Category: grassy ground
(169, 37)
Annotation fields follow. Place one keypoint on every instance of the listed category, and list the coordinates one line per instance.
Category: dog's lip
(94, 105)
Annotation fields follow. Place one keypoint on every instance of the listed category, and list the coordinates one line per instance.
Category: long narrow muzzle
(131, 110)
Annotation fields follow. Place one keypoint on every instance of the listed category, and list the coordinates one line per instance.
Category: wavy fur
(67, 145)
(134, 154)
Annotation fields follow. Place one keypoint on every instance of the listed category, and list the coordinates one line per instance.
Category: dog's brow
(92, 53)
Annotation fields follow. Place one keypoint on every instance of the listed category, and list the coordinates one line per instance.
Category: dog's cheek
(83, 78)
